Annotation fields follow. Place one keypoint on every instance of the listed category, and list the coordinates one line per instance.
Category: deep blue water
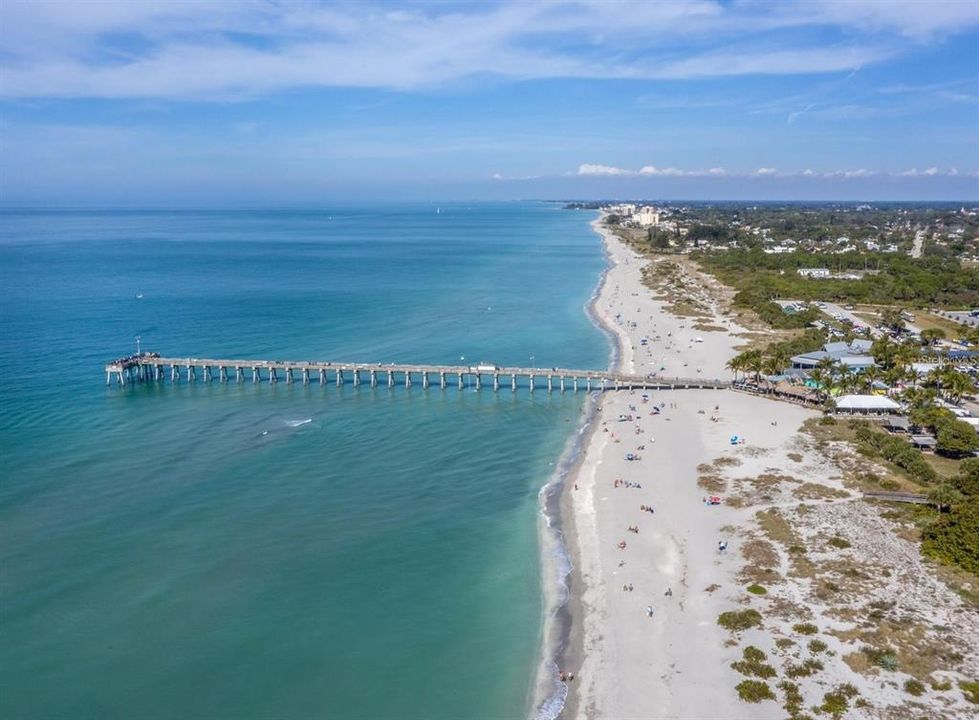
(194, 551)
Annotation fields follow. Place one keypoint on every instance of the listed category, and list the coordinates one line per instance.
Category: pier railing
(151, 367)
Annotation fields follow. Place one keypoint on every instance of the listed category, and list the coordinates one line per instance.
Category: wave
(549, 692)
(298, 423)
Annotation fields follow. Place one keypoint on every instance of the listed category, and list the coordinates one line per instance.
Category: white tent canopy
(866, 402)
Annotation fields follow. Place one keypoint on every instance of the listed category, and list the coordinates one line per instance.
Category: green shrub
(805, 628)
(754, 663)
(756, 589)
(754, 691)
(838, 542)
(970, 690)
(827, 420)
(736, 620)
(913, 687)
(835, 704)
(783, 643)
(761, 670)
(956, 438)
(817, 646)
(953, 538)
(804, 669)
(897, 451)
(793, 698)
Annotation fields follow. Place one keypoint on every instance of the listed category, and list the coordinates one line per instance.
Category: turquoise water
(202, 551)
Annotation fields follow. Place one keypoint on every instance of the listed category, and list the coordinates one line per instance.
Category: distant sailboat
(438, 211)
(139, 296)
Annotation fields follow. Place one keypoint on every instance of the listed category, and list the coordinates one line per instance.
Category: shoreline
(560, 644)
(572, 648)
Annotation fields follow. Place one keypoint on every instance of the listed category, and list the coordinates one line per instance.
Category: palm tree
(756, 363)
(905, 354)
(736, 365)
(867, 378)
(780, 357)
(883, 351)
(954, 384)
(821, 378)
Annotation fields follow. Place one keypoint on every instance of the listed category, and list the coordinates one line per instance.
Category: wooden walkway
(151, 367)
(898, 497)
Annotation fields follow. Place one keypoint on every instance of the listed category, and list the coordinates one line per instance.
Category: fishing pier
(149, 367)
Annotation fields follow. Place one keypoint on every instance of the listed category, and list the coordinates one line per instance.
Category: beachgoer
(649, 611)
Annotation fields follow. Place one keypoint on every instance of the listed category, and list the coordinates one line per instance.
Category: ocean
(288, 551)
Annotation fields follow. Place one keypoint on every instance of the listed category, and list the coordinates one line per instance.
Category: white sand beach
(672, 664)
(648, 585)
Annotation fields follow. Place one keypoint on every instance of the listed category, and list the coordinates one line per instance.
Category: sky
(292, 100)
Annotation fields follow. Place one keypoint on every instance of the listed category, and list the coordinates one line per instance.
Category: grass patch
(756, 589)
(775, 526)
(913, 687)
(805, 628)
(737, 620)
(754, 663)
(836, 703)
(754, 691)
(803, 669)
(838, 542)
(817, 646)
(792, 697)
(783, 643)
(814, 491)
(714, 484)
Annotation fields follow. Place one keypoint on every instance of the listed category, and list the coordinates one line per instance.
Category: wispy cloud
(242, 48)
(592, 169)
(596, 170)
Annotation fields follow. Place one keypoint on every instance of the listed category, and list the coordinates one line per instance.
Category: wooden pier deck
(151, 367)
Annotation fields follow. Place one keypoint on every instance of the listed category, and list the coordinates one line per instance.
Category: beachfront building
(646, 217)
(818, 273)
(854, 356)
(866, 405)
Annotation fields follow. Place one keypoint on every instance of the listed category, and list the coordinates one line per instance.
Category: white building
(814, 272)
(646, 217)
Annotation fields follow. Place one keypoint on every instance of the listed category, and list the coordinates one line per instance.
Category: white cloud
(652, 170)
(928, 172)
(589, 169)
(765, 171)
(239, 48)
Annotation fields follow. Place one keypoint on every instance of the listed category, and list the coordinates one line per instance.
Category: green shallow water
(287, 551)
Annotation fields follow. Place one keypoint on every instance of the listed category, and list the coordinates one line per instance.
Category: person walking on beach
(649, 611)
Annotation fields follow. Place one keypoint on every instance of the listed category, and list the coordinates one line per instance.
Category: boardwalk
(151, 367)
